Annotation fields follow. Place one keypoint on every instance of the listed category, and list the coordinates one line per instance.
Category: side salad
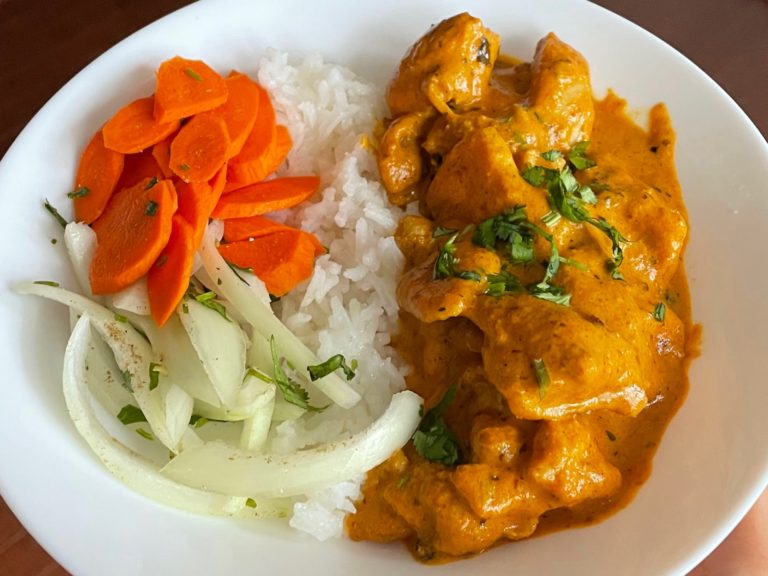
(173, 327)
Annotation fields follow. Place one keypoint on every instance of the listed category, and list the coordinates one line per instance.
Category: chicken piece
(426, 499)
(561, 93)
(448, 68)
(494, 441)
(656, 231)
(491, 491)
(400, 156)
(415, 240)
(567, 462)
(588, 367)
(430, 299)
(479, 180)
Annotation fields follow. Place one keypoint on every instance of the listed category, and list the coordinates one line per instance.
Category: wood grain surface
(44, 43)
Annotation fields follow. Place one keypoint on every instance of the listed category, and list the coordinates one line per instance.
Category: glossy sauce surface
(535, 456)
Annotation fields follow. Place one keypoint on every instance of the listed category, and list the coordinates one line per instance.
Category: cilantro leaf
(130, 414)
(331, 365)
(291, 390)
(578, 158)
(659, 312)
(433, 439)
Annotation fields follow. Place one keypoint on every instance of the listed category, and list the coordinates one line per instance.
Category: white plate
(714, 459)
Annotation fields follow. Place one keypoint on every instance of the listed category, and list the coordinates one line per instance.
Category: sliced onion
(256, 428)
(172, 346)
(134, 298)
(132, 352)
(220, 345)
(260, 315)
(222, 468)
(80, 240)
(134, 470)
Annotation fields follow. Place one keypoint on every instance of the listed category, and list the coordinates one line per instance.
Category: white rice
(348, 306)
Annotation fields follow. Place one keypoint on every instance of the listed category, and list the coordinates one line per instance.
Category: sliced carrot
(97, 176)
(281, 260)
(196, 202)
(218, 182)
(236, 229)
(139, 167)
(252, 227)
(266, 196)
(168, 278)
(185, 88)
(283, 145)
(162, 154)
(239, 111)
(200, 149)
(134, 128)
(131, 233)
(253, 161)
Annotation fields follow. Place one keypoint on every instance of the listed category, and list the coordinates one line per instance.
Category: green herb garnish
(144, 434)
(542, 376)
(79, 192)
(127, 377)
(433, 439)
(208, 299)
(55, 213)
(442, 231)
(120, 318)
(151, 208)
(47, 283)
(660, 312)
(251, 503)
(192, 74)
(331, 365)
(130, 414)
(502, 283)
(154, 375)
(446, 261)
(291, 390)
(150, 184)
(578, 158)
(184, 167)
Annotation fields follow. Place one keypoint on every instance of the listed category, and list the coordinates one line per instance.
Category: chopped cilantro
(291, 390)
(130, 414)
(542, 376)
(433, 439)
(331, 365)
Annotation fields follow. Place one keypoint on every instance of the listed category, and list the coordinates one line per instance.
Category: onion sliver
(80, 240)
(134, 470)
(262, 318)
(222, 468)
(133, 353)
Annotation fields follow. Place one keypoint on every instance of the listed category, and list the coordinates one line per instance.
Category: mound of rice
(348, 306)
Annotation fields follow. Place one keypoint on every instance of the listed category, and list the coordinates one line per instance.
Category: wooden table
(43, 43)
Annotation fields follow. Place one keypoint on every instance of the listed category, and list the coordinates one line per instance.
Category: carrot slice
(218, 182)
(131, 232)
(139, 167)
(266, 196)
(281, 260)
(134, 128)
(278, 154)
(239, 111)
(162, 154)
(97, 176)
(253, 161)
(168, 278)
(196, 202)
(185, 88)
(252, 227)
(236, 229)
(200, 149)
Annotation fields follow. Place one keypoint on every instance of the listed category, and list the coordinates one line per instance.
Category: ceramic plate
(712, 463)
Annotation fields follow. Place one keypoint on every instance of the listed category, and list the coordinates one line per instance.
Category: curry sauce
(544, 304)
